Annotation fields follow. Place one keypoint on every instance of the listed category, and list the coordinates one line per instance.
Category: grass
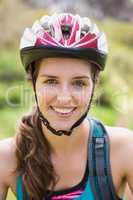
(107, 115)
(10, 67)
(9, 118)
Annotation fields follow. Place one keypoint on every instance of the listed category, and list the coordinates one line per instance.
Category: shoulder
(120, 136)
(121, 148)
(121, 145)
(7, 159)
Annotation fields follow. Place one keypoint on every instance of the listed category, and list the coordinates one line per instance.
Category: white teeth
(64, 110)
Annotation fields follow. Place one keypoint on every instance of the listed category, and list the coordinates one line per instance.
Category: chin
(61, 126)
(62, 122)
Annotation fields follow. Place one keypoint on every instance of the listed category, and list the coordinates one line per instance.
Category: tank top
(85, 190)
(70, 193)
(74, 193)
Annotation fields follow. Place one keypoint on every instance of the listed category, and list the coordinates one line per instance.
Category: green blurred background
(114, 95)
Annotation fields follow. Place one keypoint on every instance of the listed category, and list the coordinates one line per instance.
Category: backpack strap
(100, 176)
(19, 188)
(21, 191)
(87, 194)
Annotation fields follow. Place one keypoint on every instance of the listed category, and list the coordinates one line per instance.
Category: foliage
(118, 32)
(105, 114)
(10, 67)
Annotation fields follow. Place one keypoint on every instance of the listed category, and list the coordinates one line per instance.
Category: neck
(66, 144)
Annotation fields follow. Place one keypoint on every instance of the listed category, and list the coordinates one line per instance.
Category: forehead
(64, 67)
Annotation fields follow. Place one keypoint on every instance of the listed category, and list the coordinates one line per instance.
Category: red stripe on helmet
(88, 41)
(72, 37)
(42, 41)
(89, 44)
(46, 39)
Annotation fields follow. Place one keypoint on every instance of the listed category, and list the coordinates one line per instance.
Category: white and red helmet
(63, 35)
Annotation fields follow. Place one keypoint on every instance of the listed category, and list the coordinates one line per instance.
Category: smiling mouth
(63, 111)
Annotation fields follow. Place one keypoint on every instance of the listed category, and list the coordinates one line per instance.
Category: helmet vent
(85, 29)
(66, 31)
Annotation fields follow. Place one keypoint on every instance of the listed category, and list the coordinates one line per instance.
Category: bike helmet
(63, 35)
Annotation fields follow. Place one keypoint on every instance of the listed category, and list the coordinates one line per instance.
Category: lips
(63, 111)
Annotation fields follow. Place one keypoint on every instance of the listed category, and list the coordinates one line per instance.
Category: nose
(64, 95)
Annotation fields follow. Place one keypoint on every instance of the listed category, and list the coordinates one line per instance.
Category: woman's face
(64, 88)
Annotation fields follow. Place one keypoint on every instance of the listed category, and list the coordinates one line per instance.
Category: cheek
(45, 95)
(83, 96)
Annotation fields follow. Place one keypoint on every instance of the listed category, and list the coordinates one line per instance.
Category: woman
(59, 152)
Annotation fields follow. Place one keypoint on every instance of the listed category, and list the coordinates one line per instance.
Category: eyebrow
(76, 77)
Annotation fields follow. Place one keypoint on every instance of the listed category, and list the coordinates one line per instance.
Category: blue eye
(79, 83)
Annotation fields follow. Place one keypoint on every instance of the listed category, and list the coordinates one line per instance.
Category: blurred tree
(120, 9)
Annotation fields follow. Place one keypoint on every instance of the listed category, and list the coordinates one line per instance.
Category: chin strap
(47, 123)
(61, 132)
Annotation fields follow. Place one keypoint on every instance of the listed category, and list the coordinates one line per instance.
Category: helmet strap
(47, 123)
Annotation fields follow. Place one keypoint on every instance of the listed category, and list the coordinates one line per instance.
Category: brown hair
(33, 153)
(34, 157)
